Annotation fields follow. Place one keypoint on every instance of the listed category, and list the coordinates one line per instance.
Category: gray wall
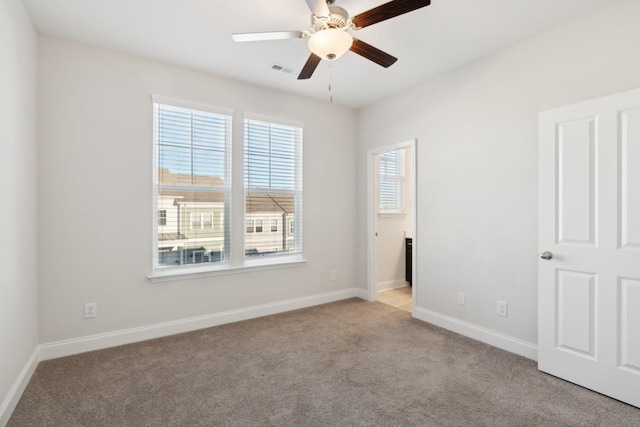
(95, 164)
(477, 161)
(18, 251)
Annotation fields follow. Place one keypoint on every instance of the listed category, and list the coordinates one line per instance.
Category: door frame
(372, 218)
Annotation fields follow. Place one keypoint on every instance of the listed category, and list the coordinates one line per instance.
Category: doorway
(391, 213)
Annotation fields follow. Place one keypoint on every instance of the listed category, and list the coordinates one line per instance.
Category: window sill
(392, 214)
(185, 273)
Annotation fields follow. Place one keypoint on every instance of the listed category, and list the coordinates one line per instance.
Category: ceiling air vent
(282, 69)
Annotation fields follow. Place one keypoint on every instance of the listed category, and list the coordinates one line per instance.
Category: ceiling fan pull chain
(330, 80)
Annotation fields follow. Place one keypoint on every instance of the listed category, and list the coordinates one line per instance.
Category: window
(192, 183)
(206, 221)
(195, 221)
(392, 181)
(273, 185)
(201, 221)
(193, 204)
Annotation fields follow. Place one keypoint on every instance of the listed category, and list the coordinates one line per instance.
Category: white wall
(18, 278)
(95, 154)
(477, 161)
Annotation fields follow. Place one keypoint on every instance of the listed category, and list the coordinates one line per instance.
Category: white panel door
(589, 225)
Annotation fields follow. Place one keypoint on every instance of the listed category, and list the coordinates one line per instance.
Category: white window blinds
(392, 180)
(192, 182)
(273, 187)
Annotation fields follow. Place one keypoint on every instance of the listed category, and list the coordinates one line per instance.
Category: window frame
(298, 254)
(233, 260)
(399, 181)
(162, 217)
(218, 221)
(195, 218)
(159, 270)
(206, 224)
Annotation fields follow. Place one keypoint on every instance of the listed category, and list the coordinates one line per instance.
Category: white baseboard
(496, 339)
(10, 402)
(361, 293)
(391, 284)
(127, 336)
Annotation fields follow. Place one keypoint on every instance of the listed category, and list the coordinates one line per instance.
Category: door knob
(546, 255)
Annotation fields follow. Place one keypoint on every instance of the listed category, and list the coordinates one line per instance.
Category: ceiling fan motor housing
(338, 18)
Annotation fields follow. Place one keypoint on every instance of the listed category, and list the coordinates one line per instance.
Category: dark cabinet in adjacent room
(408, 244)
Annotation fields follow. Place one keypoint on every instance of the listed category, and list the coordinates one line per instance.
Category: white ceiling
(196, 34)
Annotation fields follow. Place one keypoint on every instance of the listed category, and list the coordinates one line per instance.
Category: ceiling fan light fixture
(330, 44)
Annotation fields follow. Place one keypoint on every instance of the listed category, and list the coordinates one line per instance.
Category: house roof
(186, 197)
(165, 176)
(171, 236)
(270, 202)
(214, 193)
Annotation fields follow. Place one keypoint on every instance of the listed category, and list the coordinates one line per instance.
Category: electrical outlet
(501, 309)
(332, 275)
(90, 310)
(462, 298)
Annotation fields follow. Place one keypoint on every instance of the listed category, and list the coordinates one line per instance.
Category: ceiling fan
(329, 37)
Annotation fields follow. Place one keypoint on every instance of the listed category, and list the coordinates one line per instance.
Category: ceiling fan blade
(271, 35)
(387, 11)
(318, 7)
(309, 67)
(372, 53)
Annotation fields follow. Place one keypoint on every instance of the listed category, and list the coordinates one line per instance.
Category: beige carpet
(351, 363)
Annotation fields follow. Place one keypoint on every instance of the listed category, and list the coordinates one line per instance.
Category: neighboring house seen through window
(273, 186)
(192, 181)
